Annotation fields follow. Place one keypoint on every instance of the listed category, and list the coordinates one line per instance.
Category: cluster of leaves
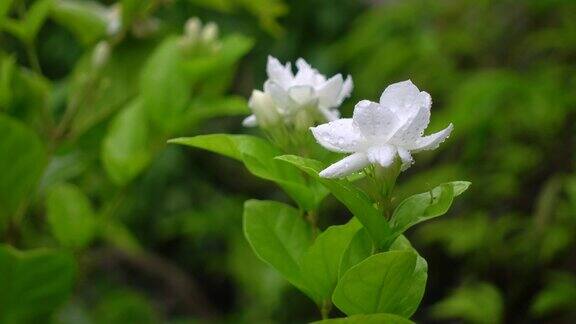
(79, 152)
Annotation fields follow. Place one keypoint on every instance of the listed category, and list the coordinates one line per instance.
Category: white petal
(339, 136)
(329, 92)
(373, 120)
(414, 126)
(382, 155)
(406, 158)
(280, 96)
(431, 142)
(306, 75)
(250, 121)
(278, 73)
(346, 166)
(301, 94)
(397, 95)
(346, 90)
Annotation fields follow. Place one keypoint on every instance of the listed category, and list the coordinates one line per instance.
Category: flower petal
(329, 92)
(338, 136)
(278, 73)
(414, 126)
(431, 142)
(382, 155)
(398, 95)
(346, 90)
(406, 158)
(346, 166)
(301, 94)
(280, 96)
(330, 114)
(374, 120)
(250, 121)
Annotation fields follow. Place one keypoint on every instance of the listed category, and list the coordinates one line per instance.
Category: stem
(325, 309)
(312, 218)
(33, 57)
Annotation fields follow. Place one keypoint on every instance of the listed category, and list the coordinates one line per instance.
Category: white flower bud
(101, 54)
(192, 28)
(209, 32)
(264, 109)
(114, 18)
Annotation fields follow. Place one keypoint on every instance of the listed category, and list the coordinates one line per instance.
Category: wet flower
(381, 133)
(305, 97)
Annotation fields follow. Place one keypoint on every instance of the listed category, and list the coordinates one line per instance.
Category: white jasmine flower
(378, 133)
(307, 91)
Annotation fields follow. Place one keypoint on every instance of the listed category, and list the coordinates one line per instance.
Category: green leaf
(34, 283)
(164, 87)
(361, 247)
(379, 284)
(425, 206)
(279, 236)
(352, 197)
(559, 295)
(85, 19)
(368, 319)
(70, 216)
(413, 295)
(478, 303)
(36, 17)
(125, 149)
(22, 160)
(258, 156)
(125, 306)
(7, 70)
(321, 262)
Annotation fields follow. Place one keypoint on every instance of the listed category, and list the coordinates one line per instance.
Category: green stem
(325, 309)
(33, 57)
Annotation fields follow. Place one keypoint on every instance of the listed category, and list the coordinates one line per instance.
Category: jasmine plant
(366, 268)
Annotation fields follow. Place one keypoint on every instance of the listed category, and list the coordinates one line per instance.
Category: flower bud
(101, 54)
(264, 109)
(114, 18)
(192, 28)
(209, 33)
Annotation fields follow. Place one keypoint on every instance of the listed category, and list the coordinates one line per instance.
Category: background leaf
(25, 295)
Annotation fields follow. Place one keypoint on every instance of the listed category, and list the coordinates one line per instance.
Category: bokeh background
(133, 230)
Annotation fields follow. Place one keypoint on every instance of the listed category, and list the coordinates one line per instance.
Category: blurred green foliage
(91, 193)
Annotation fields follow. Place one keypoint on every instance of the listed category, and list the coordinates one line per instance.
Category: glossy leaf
(70, 216)
(379, 284)
(425, 206)
(361, 246)
(321, 262)
(279, 236)
(34, 283)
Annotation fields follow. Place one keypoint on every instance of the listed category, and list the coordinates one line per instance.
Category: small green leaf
(22, 160)
(34, 283)
(356, 200)
(368, 319)
(379, 284)
(165, 88)
(85, 19)
(425, 206)
(258, 156)
(70, 216)
(125, 149)
(321, 262)
(36, 17)
(279, 236)
(203, 109)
